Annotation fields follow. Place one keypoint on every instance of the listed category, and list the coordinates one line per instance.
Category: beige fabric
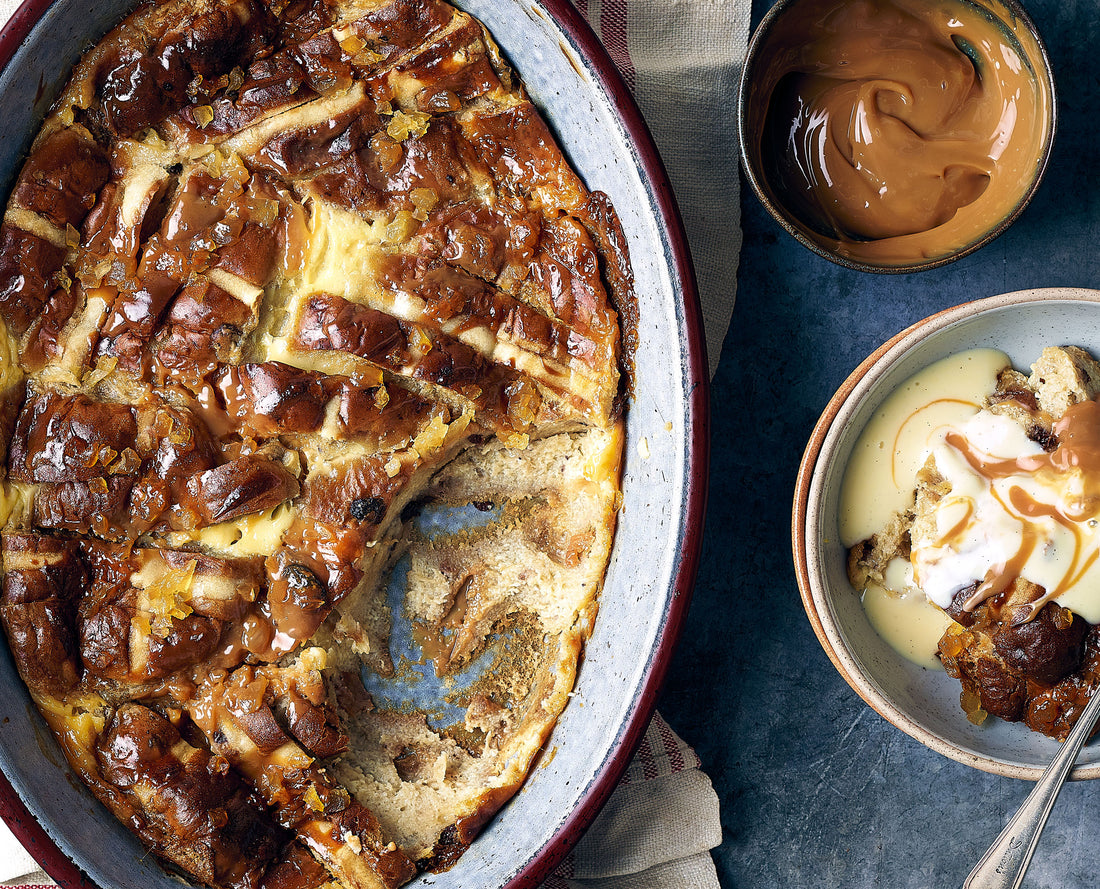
(688, 56)
(15, 863)
(657, 829)
(681, 812)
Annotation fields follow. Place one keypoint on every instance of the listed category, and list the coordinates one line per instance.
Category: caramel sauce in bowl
(894, 137)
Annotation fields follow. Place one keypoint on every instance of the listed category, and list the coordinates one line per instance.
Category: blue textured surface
(816, 789)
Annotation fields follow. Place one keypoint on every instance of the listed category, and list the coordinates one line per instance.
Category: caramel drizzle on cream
(1074, 464)
(903, 432)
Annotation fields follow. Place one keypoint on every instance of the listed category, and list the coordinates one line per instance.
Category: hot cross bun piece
(273, 275)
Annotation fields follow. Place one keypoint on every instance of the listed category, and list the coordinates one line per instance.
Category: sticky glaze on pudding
(898, 132)
(277, 281)
(1002, 535)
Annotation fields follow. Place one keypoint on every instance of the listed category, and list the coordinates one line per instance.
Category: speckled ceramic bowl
(921, 702)
(758, 82)
(657, 545)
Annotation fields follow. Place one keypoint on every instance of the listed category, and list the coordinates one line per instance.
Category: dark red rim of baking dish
(697, 384)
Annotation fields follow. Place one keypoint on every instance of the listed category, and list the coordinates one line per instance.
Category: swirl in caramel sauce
(899, 132)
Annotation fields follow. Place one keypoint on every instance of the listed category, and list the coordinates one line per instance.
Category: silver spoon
(1004, 865)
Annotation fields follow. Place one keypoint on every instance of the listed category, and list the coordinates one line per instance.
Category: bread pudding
(1002, 535)
(315, 356)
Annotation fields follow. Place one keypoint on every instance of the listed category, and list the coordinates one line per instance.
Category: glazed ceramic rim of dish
(809, 491)
(46, 852)
(780, 215)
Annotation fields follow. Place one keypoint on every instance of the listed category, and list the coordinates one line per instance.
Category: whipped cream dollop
(1014, 510)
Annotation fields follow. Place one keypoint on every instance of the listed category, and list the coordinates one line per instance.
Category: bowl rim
(806, 514)
(786, 221)
(573, 24)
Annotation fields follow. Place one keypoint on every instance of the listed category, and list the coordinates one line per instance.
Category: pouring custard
(896, 133)
(996, 543)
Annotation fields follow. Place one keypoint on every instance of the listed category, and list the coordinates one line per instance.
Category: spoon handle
(1004, 865)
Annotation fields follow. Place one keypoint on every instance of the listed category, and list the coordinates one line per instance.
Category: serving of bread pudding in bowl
(916, 396)
(998, 538)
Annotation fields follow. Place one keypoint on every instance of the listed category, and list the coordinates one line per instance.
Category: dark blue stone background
(816, 789)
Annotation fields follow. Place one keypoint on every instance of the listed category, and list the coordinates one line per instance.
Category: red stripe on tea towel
(613, 35)
(660, 753)
(672, 748)
(611, 26)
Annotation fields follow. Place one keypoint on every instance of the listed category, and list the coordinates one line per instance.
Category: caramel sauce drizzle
(903, 430)
(1077, 453)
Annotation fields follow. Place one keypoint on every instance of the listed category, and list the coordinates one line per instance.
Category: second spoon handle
(1004, 865)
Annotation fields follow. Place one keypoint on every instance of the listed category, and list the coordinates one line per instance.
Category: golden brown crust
(1040, 672)
(271, 271)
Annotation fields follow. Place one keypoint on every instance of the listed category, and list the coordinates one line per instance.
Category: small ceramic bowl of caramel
(892, 136)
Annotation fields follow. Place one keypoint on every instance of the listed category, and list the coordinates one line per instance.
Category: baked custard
(1002, 536)
(283, 283)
